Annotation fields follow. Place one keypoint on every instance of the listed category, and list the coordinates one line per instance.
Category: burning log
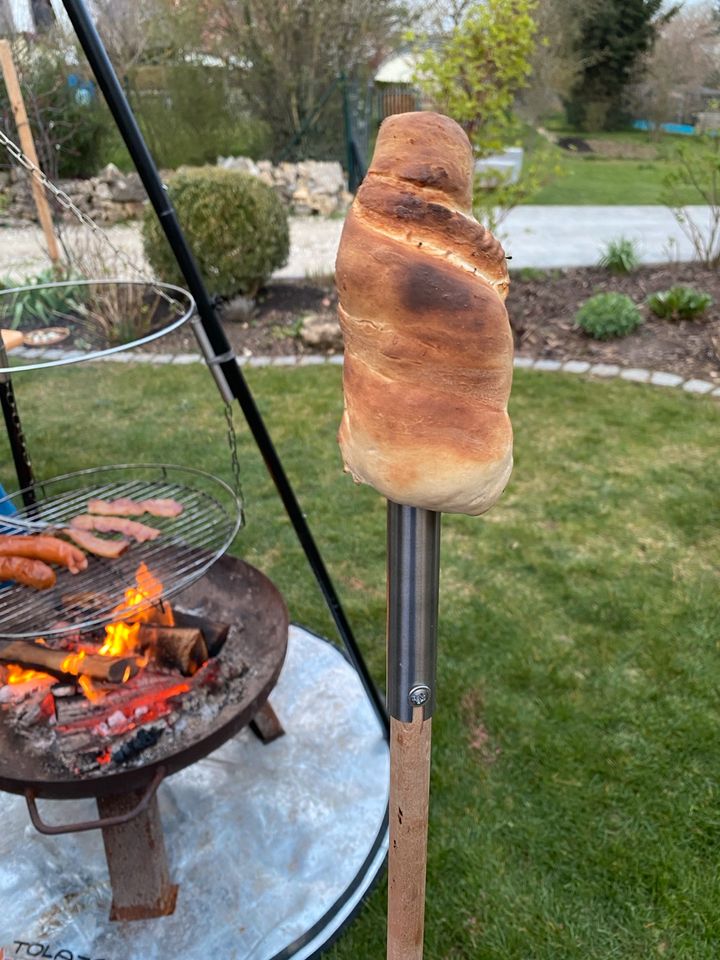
(180, 647)
(60, 663)
(215, 633)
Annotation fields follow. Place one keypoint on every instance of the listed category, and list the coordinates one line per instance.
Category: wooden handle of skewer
(409, 806)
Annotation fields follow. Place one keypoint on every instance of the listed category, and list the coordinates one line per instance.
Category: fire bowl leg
(266, 725)
(136, 860)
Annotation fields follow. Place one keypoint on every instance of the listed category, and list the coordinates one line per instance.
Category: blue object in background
(686, 129)
(7, 507)
(83, 90)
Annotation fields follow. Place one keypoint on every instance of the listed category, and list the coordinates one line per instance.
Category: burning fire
(16, 674)
(121, 637)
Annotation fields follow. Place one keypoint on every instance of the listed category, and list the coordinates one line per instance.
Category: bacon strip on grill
(47, 549)
(125, 507)
(162, 508)
(129, 528)
(97, 545)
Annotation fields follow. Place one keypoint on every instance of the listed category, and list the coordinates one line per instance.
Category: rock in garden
(321, 332)
(238, 310)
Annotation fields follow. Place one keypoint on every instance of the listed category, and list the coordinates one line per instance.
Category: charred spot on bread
(425, 288)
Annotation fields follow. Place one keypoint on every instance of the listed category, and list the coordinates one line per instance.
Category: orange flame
(73, 663)
(121, 637)
(16, 674)
(89, 688)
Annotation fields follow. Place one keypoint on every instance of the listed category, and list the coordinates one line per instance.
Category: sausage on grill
(31, 573)
(47, 549)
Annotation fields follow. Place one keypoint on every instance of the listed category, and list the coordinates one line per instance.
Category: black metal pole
(127, 125)
(18, 446)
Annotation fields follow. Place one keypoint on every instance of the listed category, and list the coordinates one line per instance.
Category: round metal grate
(74, 320)
(186, 548)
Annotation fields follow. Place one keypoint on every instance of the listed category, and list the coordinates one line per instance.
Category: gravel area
(313, 243)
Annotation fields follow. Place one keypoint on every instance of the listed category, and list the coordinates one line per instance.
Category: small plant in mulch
(608, 315)
(620, 256)
(679, 303)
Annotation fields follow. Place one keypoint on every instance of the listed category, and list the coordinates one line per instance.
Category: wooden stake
(407, 859)
(28, 146)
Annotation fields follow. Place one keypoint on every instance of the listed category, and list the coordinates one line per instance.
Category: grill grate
(187, 547)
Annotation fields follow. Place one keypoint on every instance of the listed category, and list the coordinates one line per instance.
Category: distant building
(30, 16)
(394, 86)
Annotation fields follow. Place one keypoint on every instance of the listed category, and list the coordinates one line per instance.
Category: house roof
(400, 68)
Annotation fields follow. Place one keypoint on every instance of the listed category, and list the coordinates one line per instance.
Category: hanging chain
(67, 204)
(234, 459)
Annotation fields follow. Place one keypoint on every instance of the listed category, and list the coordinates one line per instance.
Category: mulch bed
(542, 311)
(542, 314)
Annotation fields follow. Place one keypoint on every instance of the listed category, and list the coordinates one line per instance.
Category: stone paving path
(534, 236)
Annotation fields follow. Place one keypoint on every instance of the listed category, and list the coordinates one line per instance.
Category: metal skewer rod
(413, 573)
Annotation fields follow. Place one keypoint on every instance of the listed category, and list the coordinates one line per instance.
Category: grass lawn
(594, 179)
(575, 800)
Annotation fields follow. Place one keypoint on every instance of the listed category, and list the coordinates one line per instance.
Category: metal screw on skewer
(419, 695)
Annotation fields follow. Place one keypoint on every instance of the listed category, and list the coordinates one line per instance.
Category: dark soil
(542, 307)
(542, 314)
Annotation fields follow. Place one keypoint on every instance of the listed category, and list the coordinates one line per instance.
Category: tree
(477, 71)
(683, 60)
(554, 61)
(474, 76)
(614, 37)
(289, 53)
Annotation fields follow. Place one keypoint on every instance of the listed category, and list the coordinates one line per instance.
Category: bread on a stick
(428, 345)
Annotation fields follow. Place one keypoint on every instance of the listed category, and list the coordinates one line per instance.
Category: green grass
(586, 179)
(575, 799)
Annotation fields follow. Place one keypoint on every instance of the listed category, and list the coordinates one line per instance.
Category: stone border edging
(655, 378)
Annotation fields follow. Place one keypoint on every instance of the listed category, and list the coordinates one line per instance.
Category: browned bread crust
(428, 347)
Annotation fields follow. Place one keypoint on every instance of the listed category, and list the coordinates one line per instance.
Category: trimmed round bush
(235, 224)
(608, 315)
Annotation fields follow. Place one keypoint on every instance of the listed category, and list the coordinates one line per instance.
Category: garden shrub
(209, 118)
(620, 256)
(70, 129)
(235, 224)
(679, 303)
(608, 315)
